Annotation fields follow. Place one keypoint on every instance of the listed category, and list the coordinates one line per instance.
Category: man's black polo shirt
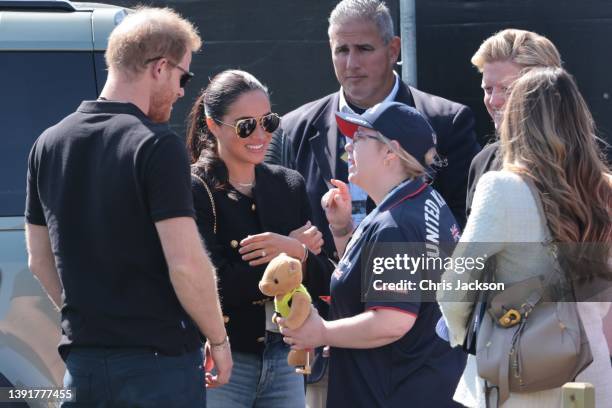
(99, 180)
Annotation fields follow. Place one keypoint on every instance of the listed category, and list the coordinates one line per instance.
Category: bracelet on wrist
(305, 257)
(341, 232)
(220, 345)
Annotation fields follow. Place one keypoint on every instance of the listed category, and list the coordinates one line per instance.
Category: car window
(101, 71)
(38, 90)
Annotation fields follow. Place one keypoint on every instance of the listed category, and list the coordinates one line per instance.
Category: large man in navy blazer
(364, 52)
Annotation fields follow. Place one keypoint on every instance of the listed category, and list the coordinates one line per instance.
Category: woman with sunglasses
(384, 350)
(248, 212)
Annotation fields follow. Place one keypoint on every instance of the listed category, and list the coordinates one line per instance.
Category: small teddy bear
(283, 280)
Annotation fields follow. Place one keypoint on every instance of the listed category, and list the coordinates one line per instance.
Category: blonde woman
(384, 353)
(547, 137)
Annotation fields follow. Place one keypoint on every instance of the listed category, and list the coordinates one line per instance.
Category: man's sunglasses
(245, 127)
(186, 74)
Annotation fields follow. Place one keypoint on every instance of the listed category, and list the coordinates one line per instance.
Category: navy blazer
(488, 159)
(308, 141)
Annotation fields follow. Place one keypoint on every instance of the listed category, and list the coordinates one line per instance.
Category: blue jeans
(260, 381)
(134, 377)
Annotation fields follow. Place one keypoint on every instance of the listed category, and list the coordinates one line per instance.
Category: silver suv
(51, 58)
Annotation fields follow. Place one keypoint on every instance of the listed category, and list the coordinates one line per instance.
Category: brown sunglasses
(187, 75)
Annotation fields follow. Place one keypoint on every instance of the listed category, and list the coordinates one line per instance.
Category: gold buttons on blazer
(253, 207)
(234, 243)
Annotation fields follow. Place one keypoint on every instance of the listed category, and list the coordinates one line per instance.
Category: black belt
(272, 337)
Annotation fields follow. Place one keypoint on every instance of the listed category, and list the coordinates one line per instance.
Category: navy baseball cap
(395, 121)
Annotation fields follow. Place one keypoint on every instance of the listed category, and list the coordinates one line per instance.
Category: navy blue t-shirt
(420, 369)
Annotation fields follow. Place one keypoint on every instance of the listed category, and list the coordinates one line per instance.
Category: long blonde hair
(547, 135)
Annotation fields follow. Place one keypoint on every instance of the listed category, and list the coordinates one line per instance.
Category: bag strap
(210, 196)
(536, 196)
(548, 240)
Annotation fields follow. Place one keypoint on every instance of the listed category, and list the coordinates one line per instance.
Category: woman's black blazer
(281, 206)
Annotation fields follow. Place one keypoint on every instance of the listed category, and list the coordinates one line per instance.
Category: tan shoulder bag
(527, 342)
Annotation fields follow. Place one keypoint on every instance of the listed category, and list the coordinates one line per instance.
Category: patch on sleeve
(454, 230)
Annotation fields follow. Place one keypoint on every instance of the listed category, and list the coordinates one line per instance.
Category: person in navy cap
(384, 351)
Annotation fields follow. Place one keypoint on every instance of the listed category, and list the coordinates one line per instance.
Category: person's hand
(220, 357)
(310, 236)
(262, 248)
(308, 336)
(337, 205)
